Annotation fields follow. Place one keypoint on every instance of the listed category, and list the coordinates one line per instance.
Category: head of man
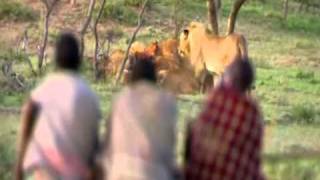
(143, 69)
(67, 55)
(240, 75)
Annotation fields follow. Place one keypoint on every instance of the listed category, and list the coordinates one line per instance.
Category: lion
(137, 46)
(209, 54)
(179, 81)
(114, 61)
(171, 72)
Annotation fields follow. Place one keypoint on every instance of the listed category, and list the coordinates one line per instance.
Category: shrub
(12, 10)
(305, 75)
(135, 3)
(117, 11)
(303, 113)
(304, 24)
(12, 55)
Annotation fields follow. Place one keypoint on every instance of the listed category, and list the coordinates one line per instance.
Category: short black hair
(242, 74)
(67, 55)
(143, 69)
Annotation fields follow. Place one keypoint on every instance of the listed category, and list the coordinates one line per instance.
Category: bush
(305, 75)
(11, 10)
(136, 3)
(303, 113)
(12, 55)
(119, 12)
(308, 24)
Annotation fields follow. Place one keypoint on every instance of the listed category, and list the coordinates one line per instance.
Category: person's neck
(233, 86)
(69, 71)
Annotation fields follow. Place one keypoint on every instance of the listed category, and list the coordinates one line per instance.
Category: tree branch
(84, 27)
(285, 9)
(45, 2)
(140, 23)
(25, 41)
(233, 16)
(213, 17)
(46, 32)
(96, 35)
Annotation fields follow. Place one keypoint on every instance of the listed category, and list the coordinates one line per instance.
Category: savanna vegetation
(283, 41)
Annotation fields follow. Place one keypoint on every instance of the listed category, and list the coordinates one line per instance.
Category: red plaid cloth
(226, 141)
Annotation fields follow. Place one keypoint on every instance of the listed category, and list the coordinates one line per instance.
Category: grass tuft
(303, 113)
(305, 75)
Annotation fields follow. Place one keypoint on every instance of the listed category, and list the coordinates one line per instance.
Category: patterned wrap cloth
(225, 142)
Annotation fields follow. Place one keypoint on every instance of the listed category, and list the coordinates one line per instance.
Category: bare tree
(49, 4)
(96, 36)
(85, 26)
(233, 16)
(140, 23)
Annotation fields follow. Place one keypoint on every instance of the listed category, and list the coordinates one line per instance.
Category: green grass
(279, 139)
(8, 133)
(286, 54)
(16, 11)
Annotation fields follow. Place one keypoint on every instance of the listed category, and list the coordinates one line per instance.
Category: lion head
(190, 37)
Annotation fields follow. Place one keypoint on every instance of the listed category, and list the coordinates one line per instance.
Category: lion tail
(243, 48)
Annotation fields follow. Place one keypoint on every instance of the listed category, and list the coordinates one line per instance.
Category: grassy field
(287, 57)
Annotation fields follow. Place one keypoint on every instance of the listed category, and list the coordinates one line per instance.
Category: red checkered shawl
(226, 141)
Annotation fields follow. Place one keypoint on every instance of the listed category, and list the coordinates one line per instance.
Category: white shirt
(66, 129)
(142, 134)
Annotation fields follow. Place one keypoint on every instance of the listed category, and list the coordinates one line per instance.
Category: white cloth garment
(142, 134)
(66, 130)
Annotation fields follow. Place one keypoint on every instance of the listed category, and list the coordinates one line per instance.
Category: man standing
(142, 129)
(59, 123)
(225, 142)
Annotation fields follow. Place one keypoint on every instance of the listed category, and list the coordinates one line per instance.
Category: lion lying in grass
(173, 73)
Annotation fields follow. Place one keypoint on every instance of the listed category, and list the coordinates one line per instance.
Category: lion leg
(202, 83)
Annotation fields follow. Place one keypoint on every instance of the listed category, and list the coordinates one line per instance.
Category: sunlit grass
(287, 57)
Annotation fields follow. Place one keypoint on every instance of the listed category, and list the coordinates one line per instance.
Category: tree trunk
(176, 18)
(25, 49)
(85, 26)
(140, 23)
(96, 36)
(213, 17)
(42, 48)
(233, 16)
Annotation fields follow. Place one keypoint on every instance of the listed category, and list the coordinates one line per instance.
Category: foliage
(12, 55)
(116, 10)
(13, 10)
(304, 113)
(293, 169)
(305, 75)
(285, 53)
(136, 3)
(306, 24)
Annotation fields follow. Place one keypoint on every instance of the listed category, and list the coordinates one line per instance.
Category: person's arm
(28, 120)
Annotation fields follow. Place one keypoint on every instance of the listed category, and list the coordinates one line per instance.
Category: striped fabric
(226, 140)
